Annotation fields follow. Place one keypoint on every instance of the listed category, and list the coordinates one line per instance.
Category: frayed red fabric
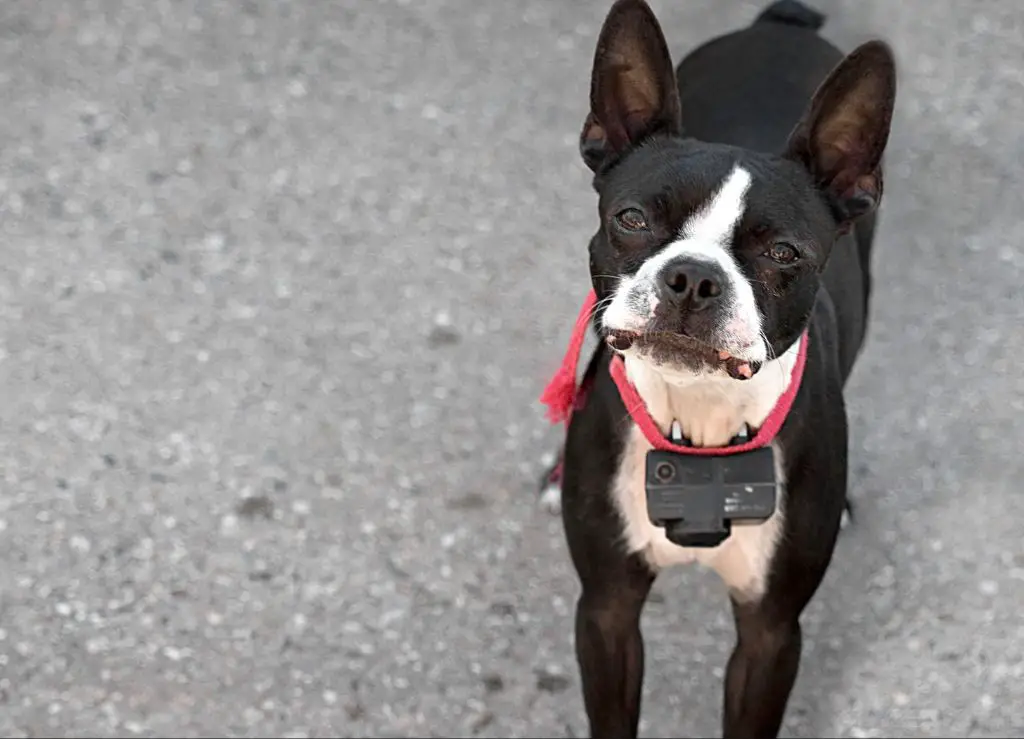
(561, 395)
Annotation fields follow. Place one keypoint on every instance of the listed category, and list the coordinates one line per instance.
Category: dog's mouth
(668, 347)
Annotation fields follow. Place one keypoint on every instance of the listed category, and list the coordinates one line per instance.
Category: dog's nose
(694, 285)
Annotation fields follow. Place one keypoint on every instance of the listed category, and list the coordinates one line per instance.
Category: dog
(730, 271)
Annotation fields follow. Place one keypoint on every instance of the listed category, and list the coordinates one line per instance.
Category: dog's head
(708, 257)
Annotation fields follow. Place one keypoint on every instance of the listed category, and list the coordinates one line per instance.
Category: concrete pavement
(283, 281)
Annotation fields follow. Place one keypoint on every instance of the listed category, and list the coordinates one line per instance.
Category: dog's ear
(633, 85)
(843, 135)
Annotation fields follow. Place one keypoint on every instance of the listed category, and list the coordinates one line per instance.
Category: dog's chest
(709, 418)
(742, 560)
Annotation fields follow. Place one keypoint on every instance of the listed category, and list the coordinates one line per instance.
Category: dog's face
(708, 257)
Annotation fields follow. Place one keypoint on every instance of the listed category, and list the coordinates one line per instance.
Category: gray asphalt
(281, 284)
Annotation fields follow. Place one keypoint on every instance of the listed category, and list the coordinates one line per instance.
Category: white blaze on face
(706, 237)
(713, 225)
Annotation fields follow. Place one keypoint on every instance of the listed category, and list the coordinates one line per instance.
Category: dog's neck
(711, 409)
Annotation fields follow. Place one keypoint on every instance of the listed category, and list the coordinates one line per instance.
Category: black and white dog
(730, 276)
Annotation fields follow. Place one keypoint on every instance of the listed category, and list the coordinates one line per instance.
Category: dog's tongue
(738, 369)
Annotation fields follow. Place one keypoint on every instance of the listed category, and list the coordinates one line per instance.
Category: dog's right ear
(633, 90)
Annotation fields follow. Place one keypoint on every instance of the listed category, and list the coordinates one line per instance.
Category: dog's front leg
(761, 672)
(610, 651)
(614, 582)
(764, 663)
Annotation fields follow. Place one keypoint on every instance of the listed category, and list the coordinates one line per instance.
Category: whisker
(772, 356)
(598, 305)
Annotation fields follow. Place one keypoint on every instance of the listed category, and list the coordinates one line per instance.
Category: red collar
(560, 396)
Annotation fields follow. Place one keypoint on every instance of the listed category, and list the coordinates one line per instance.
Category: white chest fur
(711, 410)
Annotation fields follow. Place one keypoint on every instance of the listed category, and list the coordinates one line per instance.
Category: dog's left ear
(842, 137)
(633, 90)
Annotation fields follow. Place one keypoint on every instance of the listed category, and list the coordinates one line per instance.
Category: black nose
(692, 285)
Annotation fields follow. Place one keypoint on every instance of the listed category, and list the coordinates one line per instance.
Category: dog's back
(749, 88)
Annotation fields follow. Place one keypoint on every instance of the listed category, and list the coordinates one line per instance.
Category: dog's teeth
(723, 355)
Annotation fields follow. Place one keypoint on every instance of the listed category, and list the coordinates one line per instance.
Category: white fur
(711, 410)
(706, 236)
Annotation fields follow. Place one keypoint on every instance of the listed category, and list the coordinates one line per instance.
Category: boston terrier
(730, 288)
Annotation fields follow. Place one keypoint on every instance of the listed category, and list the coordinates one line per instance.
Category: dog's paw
(846, 521)
(551, 484)
(551, 499)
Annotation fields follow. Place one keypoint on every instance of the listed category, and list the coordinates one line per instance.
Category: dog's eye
(631, 219)
(782, 253)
